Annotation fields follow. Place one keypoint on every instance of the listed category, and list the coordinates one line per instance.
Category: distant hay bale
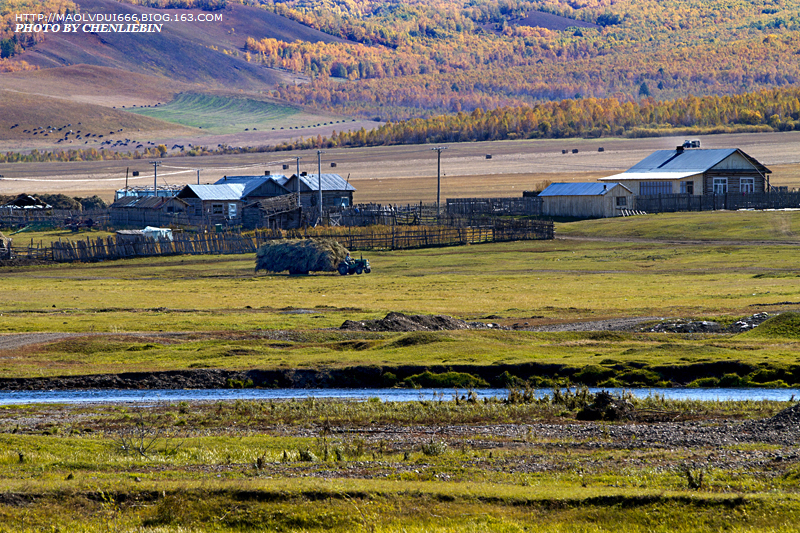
(300, 256)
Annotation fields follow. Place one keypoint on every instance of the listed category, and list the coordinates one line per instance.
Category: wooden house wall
(734, 180)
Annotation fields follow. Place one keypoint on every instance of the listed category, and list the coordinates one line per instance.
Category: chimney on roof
(267, 172)
(605, 186)
(679, 149)
(304, 173)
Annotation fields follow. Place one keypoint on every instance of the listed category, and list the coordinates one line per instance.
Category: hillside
(420, 58)
(182, 51)
(32, 111)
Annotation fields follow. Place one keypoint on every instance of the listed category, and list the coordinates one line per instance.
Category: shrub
(733, 380)
(460, 380)
(702, 383)
(592, 374)
(640, 376)
(434, 447)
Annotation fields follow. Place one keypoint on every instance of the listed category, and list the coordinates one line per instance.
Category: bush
(704, 383)
(640, 376)
(733, 380)
(592, 374)
(445, 380)
(93, 202)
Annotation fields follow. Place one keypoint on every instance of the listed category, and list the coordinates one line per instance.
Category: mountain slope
(182, 51)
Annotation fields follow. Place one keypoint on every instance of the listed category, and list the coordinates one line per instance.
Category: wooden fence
(53, 218)
(670, 203)
(394, 238)
(474, 207)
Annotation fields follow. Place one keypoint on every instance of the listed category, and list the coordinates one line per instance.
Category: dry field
(404, 174)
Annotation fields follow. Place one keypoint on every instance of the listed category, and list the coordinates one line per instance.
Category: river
(394, 395)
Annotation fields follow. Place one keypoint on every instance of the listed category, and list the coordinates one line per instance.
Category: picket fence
(394, 238)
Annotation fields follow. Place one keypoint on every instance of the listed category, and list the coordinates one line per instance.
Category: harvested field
(407, 174)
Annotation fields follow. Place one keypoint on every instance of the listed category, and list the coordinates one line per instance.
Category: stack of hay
(300, 256)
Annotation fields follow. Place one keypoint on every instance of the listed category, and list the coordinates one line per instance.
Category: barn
(585, 200)
(695, 172)
(216, 204)
(336, 191)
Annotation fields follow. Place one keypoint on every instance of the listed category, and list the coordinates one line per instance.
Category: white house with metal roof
(585, 200)
(694, 172)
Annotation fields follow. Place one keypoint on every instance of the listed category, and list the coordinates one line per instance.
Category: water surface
(395, 395)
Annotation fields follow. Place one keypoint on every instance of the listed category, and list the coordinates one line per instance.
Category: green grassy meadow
(223, 114)
(754, 226)
(312, 466)
(227, 311)
(452, 464)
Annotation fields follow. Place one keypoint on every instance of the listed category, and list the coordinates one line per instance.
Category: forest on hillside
(417, 58)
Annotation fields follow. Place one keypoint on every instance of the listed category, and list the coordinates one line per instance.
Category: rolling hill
(191, 52)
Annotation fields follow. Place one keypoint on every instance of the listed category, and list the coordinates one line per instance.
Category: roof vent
(304, 173)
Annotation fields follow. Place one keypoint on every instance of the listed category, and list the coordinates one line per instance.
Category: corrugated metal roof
(251, 183)
(330, 182)
(579, 189)
(691, 160)
(143, 202)
(229, 191)
(650, 176)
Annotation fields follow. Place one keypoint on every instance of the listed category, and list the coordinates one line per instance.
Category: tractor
(354, 266)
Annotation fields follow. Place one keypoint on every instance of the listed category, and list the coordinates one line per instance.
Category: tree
(644, 90)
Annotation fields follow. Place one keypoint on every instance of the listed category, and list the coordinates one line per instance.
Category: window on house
(649, 188)
(747, 185)
(216, 209)
(687, 187)
(622, 201)
(720, 185)
(231, 210)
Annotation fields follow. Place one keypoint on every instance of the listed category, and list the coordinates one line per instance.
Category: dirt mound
(403, 323)
(788, 417)
(606, 407)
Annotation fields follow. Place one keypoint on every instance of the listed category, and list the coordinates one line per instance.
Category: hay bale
(300, 256)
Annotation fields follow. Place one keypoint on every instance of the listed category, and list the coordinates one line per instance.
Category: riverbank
(438, 465)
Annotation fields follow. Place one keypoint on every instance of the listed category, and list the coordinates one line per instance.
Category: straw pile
(300, 256)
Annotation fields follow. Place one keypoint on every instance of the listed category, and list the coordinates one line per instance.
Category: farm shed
(280, 212)
(141, 211)
(336, 192)
(215, 204)
(695, 172)
(585, 200)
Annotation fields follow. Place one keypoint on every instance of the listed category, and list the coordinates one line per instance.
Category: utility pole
(319, 180)
(438, 175)
(155, 176)
(298, 181)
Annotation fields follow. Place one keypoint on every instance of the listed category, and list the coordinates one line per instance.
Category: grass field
(342, 466)
(221, 114)
(513, 284)
(446, 465)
